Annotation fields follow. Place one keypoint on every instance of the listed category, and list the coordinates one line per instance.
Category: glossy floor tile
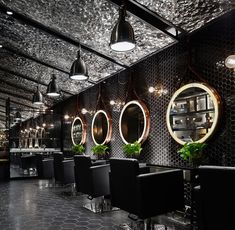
(36, 205)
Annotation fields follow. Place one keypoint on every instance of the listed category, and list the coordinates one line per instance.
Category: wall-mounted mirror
(193, 113)
(134, 122)
(78, 131)
(101, 128)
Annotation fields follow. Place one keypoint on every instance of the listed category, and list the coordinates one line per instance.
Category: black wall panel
(209, 48)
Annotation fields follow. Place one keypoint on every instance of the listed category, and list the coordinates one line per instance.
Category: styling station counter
(33, 150)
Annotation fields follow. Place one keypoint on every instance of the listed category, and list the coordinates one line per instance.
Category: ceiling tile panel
(91, 22)
(189, 15)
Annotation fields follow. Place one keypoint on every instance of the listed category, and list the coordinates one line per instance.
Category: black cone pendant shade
(78, 69)
(17, 117)
(37, 97)
(52, 88)
(122, 37)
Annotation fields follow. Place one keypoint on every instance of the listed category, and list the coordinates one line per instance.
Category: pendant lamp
(122, 37)
(37, 97)
(52, 88)
(79, 70)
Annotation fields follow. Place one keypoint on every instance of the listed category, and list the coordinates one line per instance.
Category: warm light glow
(151, 89)
(230, 62)
(66, 116)
(0, 46)
(52, 125)
(44, 125)
(122, 46)
(30, 129)
(38, 103)
(9, 12)
(84, 111)
(79, 77)
(37, 127)
(112, 102)
(53, 94)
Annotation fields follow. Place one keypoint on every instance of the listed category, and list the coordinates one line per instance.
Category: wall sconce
(117, 105)
(158, 90)
(66, 116)
(85, 111)
(230, 62)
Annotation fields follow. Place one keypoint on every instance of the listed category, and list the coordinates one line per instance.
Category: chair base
(100, 206)
(141, 225)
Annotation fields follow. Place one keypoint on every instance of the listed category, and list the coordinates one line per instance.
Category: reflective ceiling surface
(31, 53)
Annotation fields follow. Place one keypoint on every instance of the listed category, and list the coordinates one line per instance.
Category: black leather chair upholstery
(215, 200)
(63, 169)
(145, 195)
(91, 179)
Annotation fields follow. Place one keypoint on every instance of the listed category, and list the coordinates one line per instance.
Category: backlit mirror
(78, 131)
(101, 129)
(134, 122)
(193, 113)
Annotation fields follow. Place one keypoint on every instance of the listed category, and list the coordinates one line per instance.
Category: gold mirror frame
(109, 130)
(83, 139)
(217, 106)
(146, 116)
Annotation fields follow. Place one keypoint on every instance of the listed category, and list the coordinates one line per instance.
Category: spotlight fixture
(37, 97)
(122, 37)
(79, 70)
(52, 88)
(0, 46)
(230, 62)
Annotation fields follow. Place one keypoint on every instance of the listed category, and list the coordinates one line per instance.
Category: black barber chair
(214, 198)
(145, 195)
(63, 169)
(92, 179)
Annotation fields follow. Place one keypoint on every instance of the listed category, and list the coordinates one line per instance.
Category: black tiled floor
(31, 204)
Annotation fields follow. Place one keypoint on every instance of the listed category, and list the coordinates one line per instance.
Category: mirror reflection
(101, 127)
(77, 131)
(193, 113)
(134, 122)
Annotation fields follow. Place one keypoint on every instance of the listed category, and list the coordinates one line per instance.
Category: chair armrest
(99, 162)
(164, 190)
(144, 169)
(100, 180)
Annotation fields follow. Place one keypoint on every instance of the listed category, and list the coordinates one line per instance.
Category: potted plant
(78, 149)
(193, 152)
(132, 150)
(100, 151)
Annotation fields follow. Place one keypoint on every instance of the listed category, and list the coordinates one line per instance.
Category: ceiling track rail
(27, 20)
(19, 53)
(151, 18)
(28, 78)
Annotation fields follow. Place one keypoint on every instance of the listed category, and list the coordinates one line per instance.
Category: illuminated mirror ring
(210, 113)
(83, 130)
(146, 120)
(108, 135)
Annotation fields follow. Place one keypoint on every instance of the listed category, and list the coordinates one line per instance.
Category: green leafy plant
(193, 152)
(78, 149)
(132, 149)
(100, 149)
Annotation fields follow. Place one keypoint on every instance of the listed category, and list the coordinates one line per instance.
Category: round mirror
(134, 122)
(193, 113)
(101, 128)
(78, 131)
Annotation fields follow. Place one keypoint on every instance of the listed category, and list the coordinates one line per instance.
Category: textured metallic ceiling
(189, 15)
(31, 53)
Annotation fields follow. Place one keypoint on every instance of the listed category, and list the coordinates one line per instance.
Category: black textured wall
(210, 47)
